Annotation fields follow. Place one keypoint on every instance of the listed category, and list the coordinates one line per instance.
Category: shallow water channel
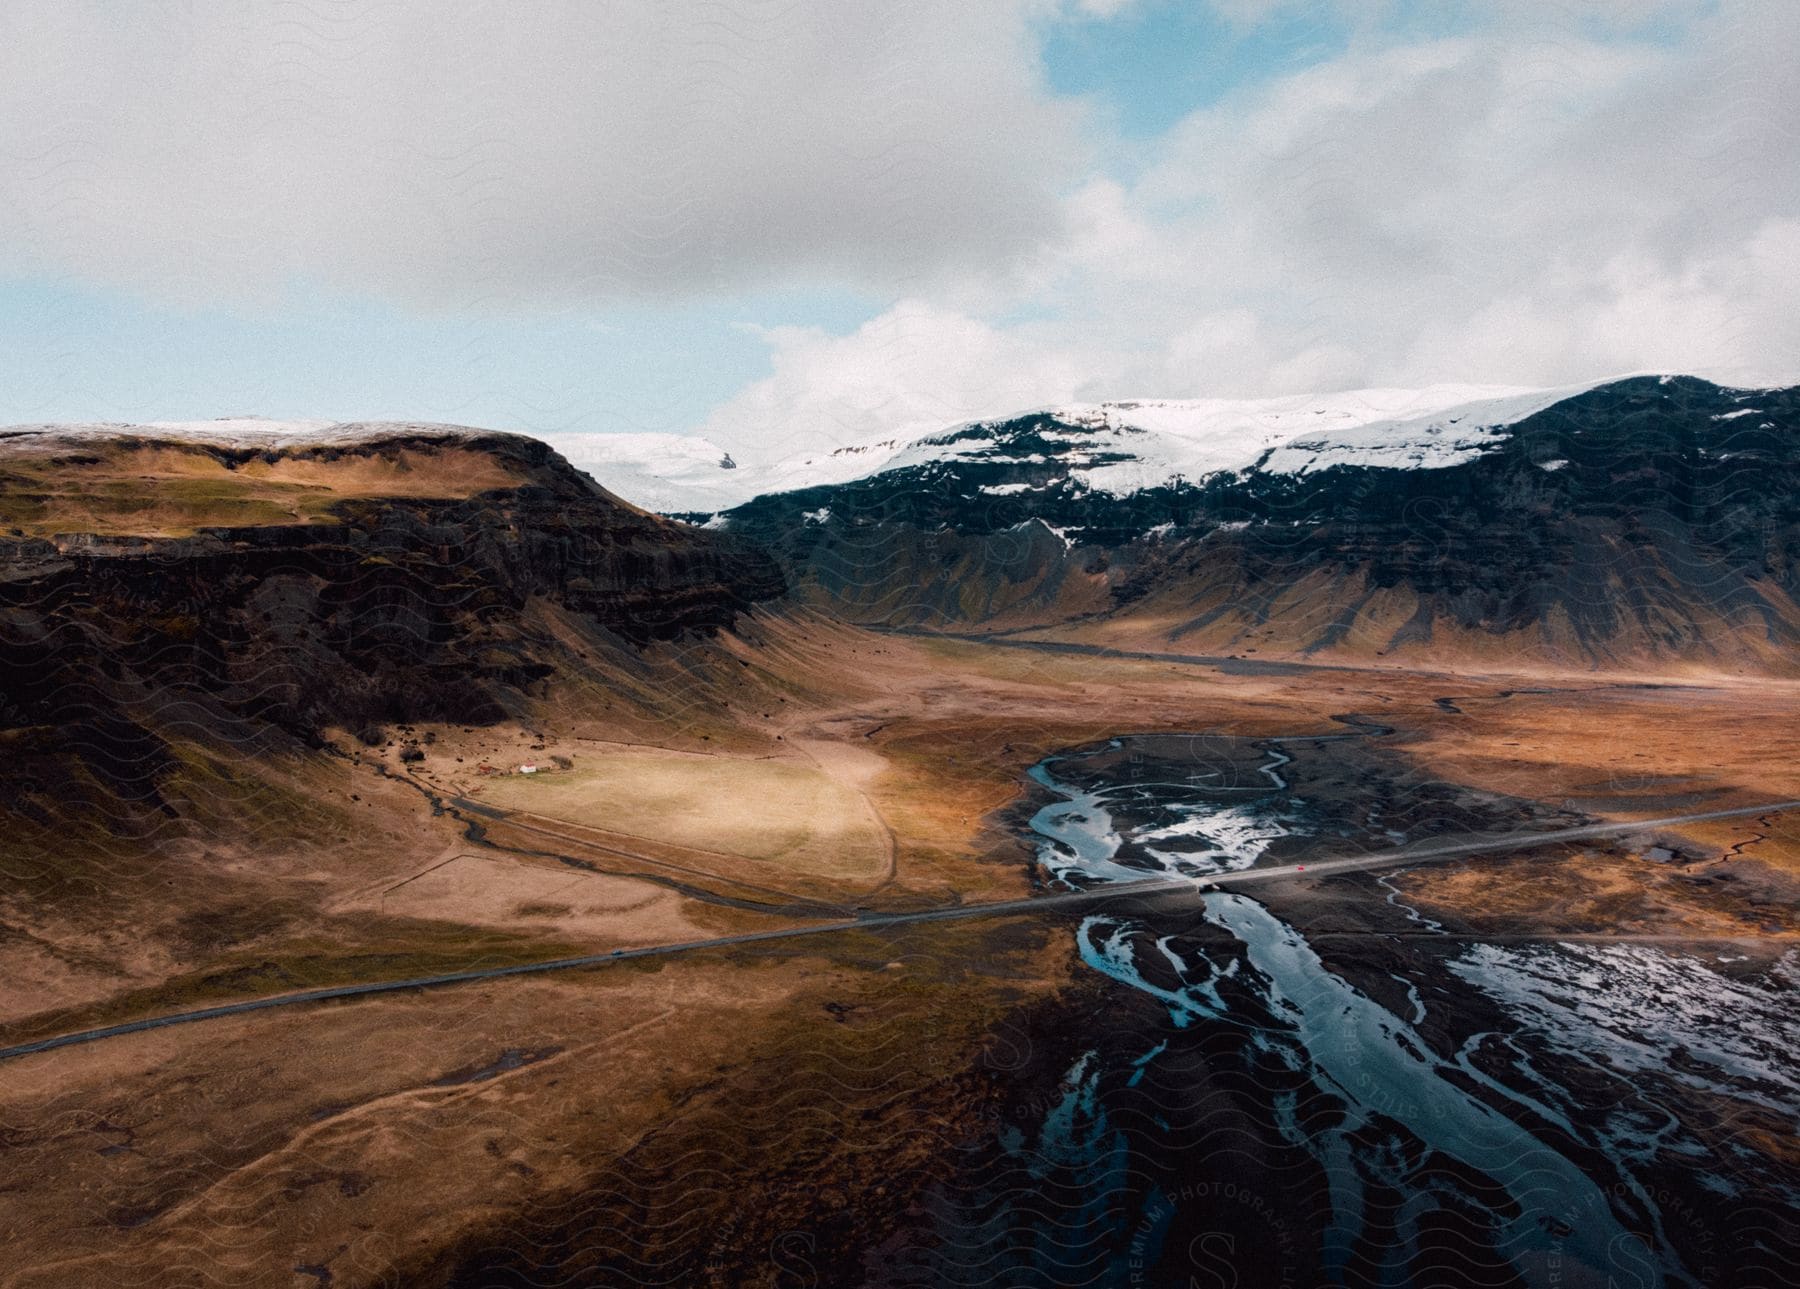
(1393, 1105)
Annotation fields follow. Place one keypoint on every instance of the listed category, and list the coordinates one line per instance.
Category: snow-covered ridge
(666, 472)
(1116, 447)
(682, 472)
(1421, 429)
(254, 433)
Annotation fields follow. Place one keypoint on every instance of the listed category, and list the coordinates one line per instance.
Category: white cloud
(915, 366)
(1531, 18)
(1103, 8)
(1629, 199)
(487, 155)
(1727, 313)
(1495, 208)
(1526, 203)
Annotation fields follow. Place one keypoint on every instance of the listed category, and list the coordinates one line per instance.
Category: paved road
(1434, 852)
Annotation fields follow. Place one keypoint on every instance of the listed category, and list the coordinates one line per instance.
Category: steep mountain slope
(1110, 447)
(249, 589)
(1644, 517)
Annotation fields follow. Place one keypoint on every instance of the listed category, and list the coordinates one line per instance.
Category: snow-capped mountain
(1649, 516)
(672, 473)
(1136, 445)
(1115, 448)
(256, 433)
(1642, 516)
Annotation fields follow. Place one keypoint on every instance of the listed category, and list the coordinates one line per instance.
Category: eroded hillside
(1647, 519)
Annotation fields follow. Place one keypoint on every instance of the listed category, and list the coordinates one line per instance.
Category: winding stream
(1528, 1112)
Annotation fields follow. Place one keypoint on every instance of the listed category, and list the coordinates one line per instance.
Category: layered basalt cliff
(362, 609)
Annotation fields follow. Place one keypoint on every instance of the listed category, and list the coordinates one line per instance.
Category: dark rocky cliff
(385, 610)
(1647, 517)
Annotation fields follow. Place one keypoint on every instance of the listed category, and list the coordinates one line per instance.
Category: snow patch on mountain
(1429, 441)
(1116, 448)
(1431, 428)
(665, 472)
(684, 473)
(247, 432)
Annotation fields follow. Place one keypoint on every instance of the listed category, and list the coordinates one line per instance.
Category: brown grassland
(115, 489)
(378, 1140)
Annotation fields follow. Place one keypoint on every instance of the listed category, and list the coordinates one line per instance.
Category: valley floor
(756, 1113)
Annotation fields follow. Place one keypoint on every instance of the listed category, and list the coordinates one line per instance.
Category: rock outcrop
(375, 609)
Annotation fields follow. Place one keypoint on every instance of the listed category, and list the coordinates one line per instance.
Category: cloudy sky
(793, 222)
